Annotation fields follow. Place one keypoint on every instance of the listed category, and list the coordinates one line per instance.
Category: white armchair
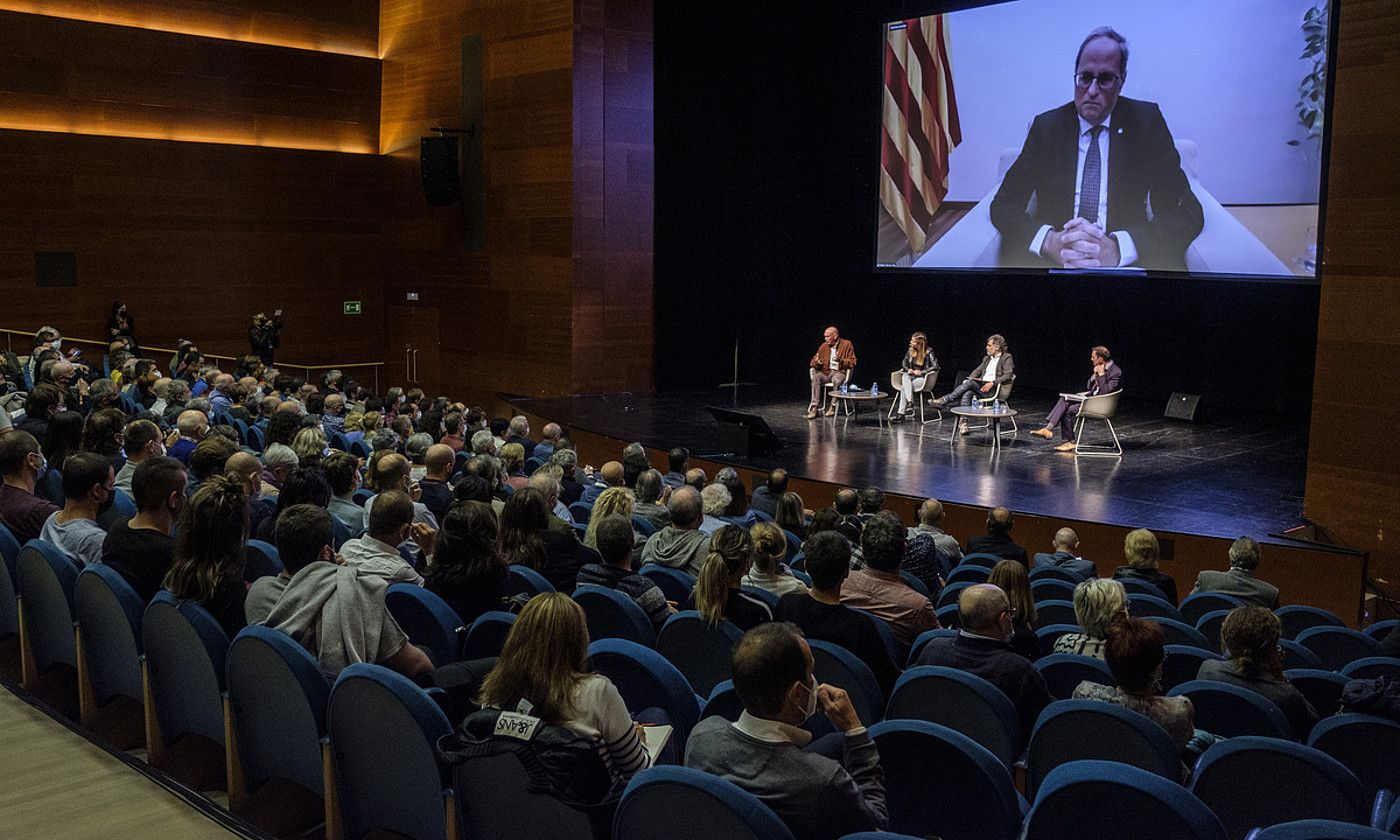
(1224, 246)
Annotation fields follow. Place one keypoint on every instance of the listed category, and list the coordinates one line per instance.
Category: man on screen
(1091, 206)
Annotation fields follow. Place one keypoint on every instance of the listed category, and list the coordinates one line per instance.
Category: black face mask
(105, 506)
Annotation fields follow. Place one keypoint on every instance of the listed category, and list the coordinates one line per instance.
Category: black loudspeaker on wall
(1184, 407)
(442, 180)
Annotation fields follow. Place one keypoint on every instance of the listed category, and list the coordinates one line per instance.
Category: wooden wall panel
(86, 78)
(1353, 486)
(613, 160)
(344, 26)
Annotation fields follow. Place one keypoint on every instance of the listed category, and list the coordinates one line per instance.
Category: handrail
(281, 364)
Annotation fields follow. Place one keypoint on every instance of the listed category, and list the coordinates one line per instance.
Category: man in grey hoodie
(680, 545)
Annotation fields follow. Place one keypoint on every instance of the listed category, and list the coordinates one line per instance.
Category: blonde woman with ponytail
(718, 588)
(212, 536)
(770, 572)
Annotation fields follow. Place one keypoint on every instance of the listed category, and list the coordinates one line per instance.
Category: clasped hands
(1081, 244)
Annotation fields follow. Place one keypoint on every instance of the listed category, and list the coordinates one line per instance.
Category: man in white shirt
(391, 472)
(89, 486)
(391, 525)
(1096, 215)
(991, 379)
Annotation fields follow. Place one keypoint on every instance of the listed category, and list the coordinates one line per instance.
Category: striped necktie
(1089, 187)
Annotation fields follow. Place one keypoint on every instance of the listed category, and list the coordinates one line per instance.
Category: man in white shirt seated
(987, 380)
(89, 485)
(390, 525)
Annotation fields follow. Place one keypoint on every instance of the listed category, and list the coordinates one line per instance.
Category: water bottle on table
(874, 389)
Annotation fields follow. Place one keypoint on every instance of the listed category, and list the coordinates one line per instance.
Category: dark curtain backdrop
(767, 129)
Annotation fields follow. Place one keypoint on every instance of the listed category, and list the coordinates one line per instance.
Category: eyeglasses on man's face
(1107, 81)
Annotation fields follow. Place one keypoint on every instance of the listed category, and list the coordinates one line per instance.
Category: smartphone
(277, 314)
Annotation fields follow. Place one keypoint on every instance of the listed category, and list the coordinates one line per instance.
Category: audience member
(614, 543)
(520, 433)
(1135, 653)
(714, 500)
(141, 439)
(878, 588)
(527, 540)
(1011, 577)
(102, 432)
(342, 471)
(769, 571)
(695, 477)
(88, 487)
(1065, 544)
(546, 480)
(765, 497)
(209, 552)
(1239, 580)
(209, 458)
(680, 545)
(336, 612)
(391, 524)
(467, 569)
(391, 472)
(22, 462)
(193, 426)
(719, 595)
(634, 463)
(1098, 602)
(847, 504)
(549, 441)
(676, 461)
(544, 665)
(997, 541)
(790, 515)
(821, 615)
(614, 500)
(309, 444)
(651, 495)
(931, 553)
(306, 486)
(871, 501)
(1250, 636)
(1142, 552)
(737, 511)
(981, 649)
(818, 797)
(570, 490)
(436, 492)
(64, 437)
(141, 549)
(513, 464)
(611, 475)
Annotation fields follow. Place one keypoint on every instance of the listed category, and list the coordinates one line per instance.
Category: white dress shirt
(1127, 250)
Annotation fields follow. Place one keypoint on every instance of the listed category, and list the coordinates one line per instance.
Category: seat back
(1152, 606)
(882, 628)
(698, 649)
(1055, 612)
(645, 679)
(9, 583)
(675, 584)
(1370, 667)
(1063, 672)
(383, 731)
(1251, 781)
(1183, 663)
(1052, 589)
(924, 638)
(1197, 605)
(429, 621)
(1209, 626)
(255, 440)
(723, 701)
(1297, 618)
(949, 616)
(1319, 830)
(1366, 745)
(47, 578)
(1140, 586)
(915, 583)
(487, 635)
(968, 573)
(962, 702)
(185, 651)
(1101, 406)
(941, 782)
(1079, 730)
(642, 525)
(1322, 688)
(1297, 656)
(980, 558)
(277, 702)
(684, 804)
(769, 599)
(525, 580)
(109, 612)
(261, 560)
(613, 615)
(1335, 646)
(494, 802)
(949, 596)
(1381, 629)
(1180, 633)
(1055, 573)
(581, 512)
(1228, 711)
(834, 665)
(794, 545)
(1124, 801)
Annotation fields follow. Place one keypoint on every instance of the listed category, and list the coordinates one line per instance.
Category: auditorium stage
(1225, 476)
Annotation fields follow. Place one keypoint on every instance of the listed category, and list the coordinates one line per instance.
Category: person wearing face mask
(390, 523)
(22, 464)
(392, 472)
(982, 648)
(88, 487)
(141, 440)
(141, 550)
(822, 790)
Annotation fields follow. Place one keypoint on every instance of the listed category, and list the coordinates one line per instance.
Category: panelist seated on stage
(990, 378)
(832, 363)
(918, 363)
(1106, 378)
(1093, 167)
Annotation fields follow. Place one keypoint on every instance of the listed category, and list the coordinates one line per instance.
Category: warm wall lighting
(272, 30)
(188, 134)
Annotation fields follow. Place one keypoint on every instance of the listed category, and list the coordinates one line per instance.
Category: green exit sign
(352, 307)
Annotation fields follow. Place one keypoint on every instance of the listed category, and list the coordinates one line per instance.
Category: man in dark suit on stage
(1106, 378)
(1092, 166)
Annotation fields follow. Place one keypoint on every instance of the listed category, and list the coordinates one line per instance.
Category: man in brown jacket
(832, 363)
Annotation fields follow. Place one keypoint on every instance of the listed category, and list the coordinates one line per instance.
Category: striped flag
(920, 125)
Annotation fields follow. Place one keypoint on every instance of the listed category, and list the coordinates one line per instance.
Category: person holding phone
(265, 335)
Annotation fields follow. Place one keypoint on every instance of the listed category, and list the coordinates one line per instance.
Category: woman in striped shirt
(545, 664)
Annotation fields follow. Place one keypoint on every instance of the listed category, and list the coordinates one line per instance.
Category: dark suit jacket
(1142, 163)
(1111, 380)
(997, 545)
(1064, 560)
(1006, 368)
(1240, 584)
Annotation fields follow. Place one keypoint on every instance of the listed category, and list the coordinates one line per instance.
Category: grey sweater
(818, 798)
(678, 548)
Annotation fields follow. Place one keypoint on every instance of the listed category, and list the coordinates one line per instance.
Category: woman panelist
(918, 363)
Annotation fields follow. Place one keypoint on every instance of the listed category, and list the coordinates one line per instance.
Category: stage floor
(1223, 477)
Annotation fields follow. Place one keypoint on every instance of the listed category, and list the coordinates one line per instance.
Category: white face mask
(811, 707)
(58, 345)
